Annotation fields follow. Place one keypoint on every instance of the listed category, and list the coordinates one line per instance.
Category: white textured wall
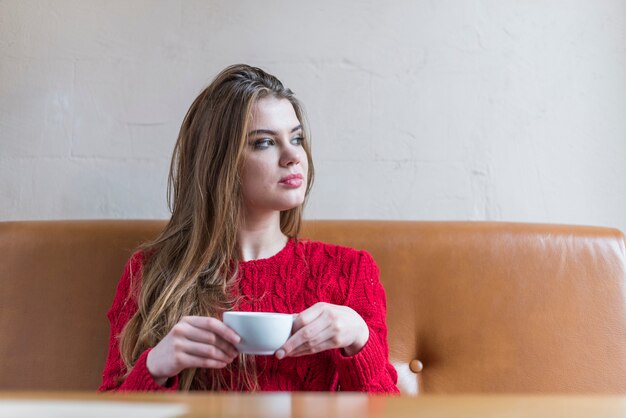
(437, 110)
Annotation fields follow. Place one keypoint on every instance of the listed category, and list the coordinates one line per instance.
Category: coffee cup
(262, 333)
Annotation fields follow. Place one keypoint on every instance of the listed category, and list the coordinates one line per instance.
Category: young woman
(239, 177)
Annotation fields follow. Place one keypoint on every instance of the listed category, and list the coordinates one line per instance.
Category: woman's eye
(263, 143)
(297, 140)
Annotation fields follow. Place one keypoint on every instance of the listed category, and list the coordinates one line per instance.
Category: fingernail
(280, 354)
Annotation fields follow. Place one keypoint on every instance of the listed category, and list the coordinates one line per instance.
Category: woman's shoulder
(339, 269)
(126, 294)
(136, 261)
(130, 281)
(318, 250)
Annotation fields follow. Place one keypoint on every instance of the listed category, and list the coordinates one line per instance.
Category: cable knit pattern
(300, 275)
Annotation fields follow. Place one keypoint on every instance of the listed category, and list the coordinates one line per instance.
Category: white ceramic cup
(261, 333)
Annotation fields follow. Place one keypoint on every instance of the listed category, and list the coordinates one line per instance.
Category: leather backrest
(499, 307)
(484, 307)
(58, 279)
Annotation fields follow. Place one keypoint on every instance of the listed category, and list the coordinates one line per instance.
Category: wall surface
(430, 110)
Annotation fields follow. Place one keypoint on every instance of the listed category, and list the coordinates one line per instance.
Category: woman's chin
(291, 205)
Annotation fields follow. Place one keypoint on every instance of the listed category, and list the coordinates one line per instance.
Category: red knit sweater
(300, 275)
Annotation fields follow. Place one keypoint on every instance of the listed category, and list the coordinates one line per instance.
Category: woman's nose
(290, 156)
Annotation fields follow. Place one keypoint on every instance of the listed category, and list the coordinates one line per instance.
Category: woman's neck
(261, 238)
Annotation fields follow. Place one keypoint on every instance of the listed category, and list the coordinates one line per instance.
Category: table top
(287, 405)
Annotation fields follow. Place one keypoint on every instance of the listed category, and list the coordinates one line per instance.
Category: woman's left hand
(325, 326)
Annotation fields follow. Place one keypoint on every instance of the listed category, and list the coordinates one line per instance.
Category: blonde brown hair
(191, 267)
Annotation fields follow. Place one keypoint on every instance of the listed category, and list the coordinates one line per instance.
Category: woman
(240, 175)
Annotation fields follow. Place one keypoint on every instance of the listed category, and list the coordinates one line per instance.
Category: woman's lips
(292, 180)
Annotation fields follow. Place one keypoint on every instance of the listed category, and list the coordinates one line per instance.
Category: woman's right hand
(195, 341)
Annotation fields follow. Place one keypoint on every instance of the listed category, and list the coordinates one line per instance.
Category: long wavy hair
(191, 267)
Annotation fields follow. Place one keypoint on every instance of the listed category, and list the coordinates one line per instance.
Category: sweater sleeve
(123, 308)
(368, 370)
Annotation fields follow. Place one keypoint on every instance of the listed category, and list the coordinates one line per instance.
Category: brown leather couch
(472, 307)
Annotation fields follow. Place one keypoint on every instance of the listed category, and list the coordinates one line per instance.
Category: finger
(207, 351)
(191, 361)
(328, 344)
(200, 335)
(315, 345)
(307, 336)
(308, 315)
(214, 325)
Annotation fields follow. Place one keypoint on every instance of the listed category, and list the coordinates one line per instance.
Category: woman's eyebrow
(261, 132)
(270, 132)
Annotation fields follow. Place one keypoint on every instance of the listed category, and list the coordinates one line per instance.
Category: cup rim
(257, 314)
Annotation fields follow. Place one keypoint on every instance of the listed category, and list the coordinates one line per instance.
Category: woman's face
(275, 169)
